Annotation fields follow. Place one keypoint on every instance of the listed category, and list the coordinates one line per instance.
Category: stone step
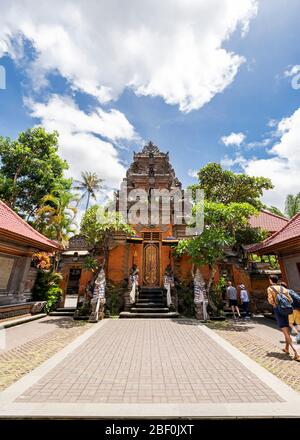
(66, 309)
(149, 304)
(56, 313)
(149, 310)
(151, 293)
(149, 315)
(150, 299)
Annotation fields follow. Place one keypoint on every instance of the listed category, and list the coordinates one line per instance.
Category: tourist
(281, 305)
(244, 296)
(294, 318)
(232, 298)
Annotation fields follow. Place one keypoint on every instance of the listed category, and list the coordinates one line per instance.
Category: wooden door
(151, 264)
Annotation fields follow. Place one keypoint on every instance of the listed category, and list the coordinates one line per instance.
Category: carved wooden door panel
(151, 264)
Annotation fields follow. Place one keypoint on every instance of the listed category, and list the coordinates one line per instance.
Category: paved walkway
(26, 346)
(261, 340)
(149, 368)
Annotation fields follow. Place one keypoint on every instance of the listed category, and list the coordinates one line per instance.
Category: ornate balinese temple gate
(149, 171)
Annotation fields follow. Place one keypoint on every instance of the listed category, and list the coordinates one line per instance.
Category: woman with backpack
(294, 318)
(280, 299)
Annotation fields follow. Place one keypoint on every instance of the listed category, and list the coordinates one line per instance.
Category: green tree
(30, 168)
(98, 226)
(47, 288)
(292, 204)
(275, 210)
(56, 215)
(224, 225)
(223, 186)
(89, 185)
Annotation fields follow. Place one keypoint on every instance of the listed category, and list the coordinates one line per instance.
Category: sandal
(285, 351)
(296, 358)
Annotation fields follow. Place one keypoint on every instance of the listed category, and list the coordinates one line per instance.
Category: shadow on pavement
(65, 322)
(281, 356)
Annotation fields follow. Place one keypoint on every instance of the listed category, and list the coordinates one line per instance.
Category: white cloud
(259, 144)
(283, 167)
(233, 139)
(111, 124)
(192, 173)
(171, 49)
(228, 162)
(78, 140)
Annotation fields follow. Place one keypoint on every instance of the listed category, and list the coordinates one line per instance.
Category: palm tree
(89, 185)
(56, 216)
(292, 204)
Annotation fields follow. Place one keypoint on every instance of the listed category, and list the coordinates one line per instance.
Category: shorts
(294, 318)
(282, 320)
(233, 302)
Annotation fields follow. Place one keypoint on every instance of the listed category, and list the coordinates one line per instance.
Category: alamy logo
(2, 78)
(161, 207)
(294, 74)
(296, 82)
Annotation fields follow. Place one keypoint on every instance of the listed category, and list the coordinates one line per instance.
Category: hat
(242, 286)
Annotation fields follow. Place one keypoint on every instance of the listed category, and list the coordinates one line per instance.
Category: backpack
(296, 299)
(284, 306)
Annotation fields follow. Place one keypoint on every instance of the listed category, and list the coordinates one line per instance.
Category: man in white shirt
(245, 300)
(232, 299)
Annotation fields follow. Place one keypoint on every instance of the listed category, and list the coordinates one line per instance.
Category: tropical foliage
(89, 185)
(223, 186)
(98, 224)
(42, 260)
(47, 289)
(275, 210)
(230, 200)
(292, 205)
(30, 169)
(56, 216)
(223, 226)
(90, 263)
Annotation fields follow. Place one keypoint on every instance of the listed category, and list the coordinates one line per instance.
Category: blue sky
(258, 93)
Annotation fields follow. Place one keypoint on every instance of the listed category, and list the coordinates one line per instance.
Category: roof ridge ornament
(150, 148)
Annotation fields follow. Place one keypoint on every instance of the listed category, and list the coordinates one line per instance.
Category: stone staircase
(150, 304)
(63, 311)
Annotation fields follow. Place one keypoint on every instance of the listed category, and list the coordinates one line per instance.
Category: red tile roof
(13, 224)
(268, 221)
(290, 231)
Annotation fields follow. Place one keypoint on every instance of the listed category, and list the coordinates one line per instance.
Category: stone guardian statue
(98, 300)
(200, 296)
(168, 284)
(133, 283)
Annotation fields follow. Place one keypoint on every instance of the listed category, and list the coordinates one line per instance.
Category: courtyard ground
(261, 340)
(26, 346)
(146, 368)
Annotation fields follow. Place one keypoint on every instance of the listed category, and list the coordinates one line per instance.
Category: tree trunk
(88, 201)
